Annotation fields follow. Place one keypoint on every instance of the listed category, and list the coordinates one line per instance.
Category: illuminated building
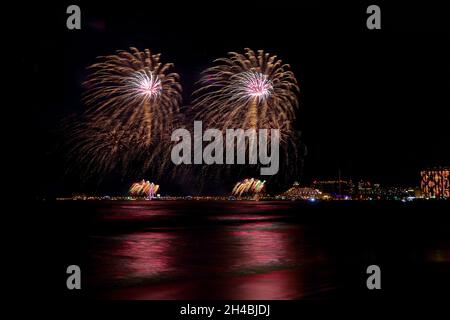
(434, 183)
(338, 189)
(296, 192)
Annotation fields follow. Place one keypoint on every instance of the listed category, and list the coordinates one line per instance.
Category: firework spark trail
(248, 187)
(144, 188)
(96, 146)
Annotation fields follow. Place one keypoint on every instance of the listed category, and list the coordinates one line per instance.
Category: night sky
(373, 103)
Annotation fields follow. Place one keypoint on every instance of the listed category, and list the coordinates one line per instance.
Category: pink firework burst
(254, 84)
(146, 84)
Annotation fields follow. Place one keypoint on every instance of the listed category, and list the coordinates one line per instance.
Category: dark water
(251, 250)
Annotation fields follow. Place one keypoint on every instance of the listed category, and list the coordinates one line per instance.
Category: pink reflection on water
(135, 256)
(257, 260)
(275, 285)
(263, 254)
(245, 217)
(255, 206)
(260, 245)
(133, 213)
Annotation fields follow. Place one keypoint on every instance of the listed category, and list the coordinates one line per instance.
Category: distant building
(304, 193)
(434, 183)
(338, 189)
(366, 190)
(393, 193)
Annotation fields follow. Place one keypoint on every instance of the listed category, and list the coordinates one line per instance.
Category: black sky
(373, 103)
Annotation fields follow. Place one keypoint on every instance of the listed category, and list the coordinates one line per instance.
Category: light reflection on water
(248, 248)
(233, 251)
(259, 256)
(133, 256)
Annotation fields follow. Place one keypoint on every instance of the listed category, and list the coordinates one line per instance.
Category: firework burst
(134, 87)
(251, 90)
(143, 187)
(133, 102)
